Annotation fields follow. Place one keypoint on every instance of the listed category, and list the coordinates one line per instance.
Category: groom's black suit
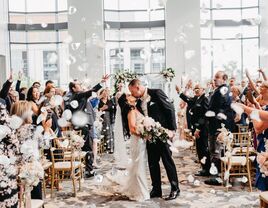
(161, 110)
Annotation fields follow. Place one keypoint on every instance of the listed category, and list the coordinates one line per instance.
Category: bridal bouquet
(152, 131)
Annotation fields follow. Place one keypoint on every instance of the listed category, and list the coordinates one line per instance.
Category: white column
(86, 27)
(183, 18)
(4, 42)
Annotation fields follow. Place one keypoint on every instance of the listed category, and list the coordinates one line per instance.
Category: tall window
(229, 36)
(137, 29)
(37, 28)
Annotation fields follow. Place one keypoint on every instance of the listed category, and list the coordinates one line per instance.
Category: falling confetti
(197, 183)
(98, 178)
(62, 122)
(213, 169)
(210, 114)
(203, 160)
(67, 114)
(255, 115)
(221, 116)
(58, 100)
(15, 122)
(224, 90)
(43, 25)
(72, 10)
(4, 131)
(52, 58)
(190, 179)
(189, 54)
(75, 46)
(80, 119)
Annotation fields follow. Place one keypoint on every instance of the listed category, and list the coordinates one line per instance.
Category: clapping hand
(20, 75)
(10, 79)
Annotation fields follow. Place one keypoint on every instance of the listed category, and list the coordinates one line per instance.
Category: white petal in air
(210, 114)
(190, 179)
(15, 122)
(58, 100)
(255, 115)
(4, 131)
(80, 119)
(223, 90)
(74, 104)
(67, 114)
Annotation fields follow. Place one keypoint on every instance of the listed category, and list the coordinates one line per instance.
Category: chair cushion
(37, 203)
(235, 160)
(66, 165)
(244, 150)
(264, 196)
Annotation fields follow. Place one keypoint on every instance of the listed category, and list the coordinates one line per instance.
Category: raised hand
(11, 76)
(105, 78)
(20, 74)
(177, 89)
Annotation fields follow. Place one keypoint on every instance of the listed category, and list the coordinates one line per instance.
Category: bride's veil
(120, 149)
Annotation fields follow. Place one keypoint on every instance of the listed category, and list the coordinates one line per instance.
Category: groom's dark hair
(134, 82)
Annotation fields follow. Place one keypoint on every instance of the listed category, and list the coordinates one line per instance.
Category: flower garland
(123, 77)
(168, 74)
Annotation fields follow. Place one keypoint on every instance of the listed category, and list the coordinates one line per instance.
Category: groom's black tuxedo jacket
(161, 109)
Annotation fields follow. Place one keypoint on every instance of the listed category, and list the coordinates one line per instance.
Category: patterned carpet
(95, 193)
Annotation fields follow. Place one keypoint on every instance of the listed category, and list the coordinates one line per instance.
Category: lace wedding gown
(133, 182)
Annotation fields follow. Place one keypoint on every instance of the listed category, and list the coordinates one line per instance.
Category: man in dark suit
(220, 113)
(155, 104)
(198, 108)
(84, 105)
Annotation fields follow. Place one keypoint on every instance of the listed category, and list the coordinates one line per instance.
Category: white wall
(4, 46)
(82, 25)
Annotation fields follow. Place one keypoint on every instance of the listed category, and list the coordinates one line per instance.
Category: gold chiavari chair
(238, 163)
(66, 165)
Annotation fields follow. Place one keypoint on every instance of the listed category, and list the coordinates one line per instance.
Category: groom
(155, 104)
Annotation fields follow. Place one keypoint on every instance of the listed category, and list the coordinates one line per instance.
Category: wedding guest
(77, 94)
(219, 106)
(108, 107)
(198, 107)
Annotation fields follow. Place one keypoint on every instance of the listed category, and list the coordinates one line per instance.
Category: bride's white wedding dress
(133, 182)
(120, 149)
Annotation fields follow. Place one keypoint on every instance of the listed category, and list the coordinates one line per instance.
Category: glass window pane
(16, 18)
(226, 32)
(250, 31)
(250, 13)
(250, 3)
(40, 18)
(227, 55)
(205, 32)
(110, 4)
(250, 55)
(226, 3)
(206, 59)
(226, 14)
(133, 5)
(133, 16)
(137, 62)
(17, 5)
(62, 5)
(111, 16)
(19, 58)
(38, 36)
(19, 37)
(157, 15)
(62, 17)
(40, 6)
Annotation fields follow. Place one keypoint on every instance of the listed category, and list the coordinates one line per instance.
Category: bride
(133, 183)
